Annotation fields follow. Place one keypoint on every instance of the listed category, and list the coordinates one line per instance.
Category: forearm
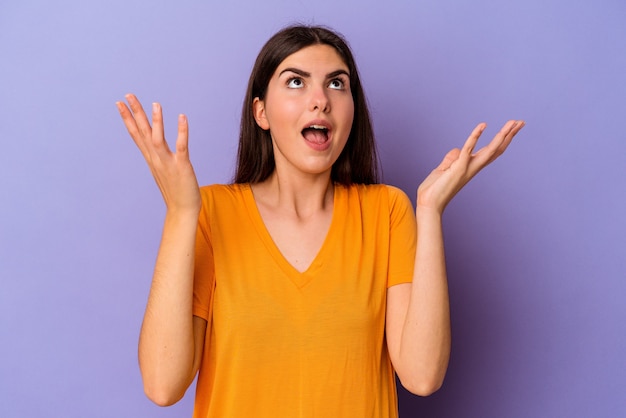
(425, 344)
(166, 343)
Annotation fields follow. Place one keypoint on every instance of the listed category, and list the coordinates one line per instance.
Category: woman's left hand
(459, 166)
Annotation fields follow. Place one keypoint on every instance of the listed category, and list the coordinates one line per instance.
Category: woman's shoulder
(378, 191)
(376, 199)
(224, 196)
(224, 189)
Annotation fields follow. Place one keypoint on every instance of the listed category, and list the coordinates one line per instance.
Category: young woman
(301, 289)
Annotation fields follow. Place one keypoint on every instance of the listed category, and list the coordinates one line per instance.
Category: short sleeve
(204, 268)
(402, 238)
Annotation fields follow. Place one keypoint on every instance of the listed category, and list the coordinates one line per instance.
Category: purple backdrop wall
(535, 245)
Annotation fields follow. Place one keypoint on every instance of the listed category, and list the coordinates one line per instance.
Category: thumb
(450, 157)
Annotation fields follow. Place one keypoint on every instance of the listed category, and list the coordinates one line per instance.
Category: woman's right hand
(172, 171)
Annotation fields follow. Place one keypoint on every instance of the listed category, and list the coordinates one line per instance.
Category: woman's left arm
(418, 313)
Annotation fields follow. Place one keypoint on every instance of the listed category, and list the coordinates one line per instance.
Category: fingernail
(155, 107)
(181, 118)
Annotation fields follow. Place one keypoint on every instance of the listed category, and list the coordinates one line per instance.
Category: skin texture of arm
(418, 313)
(171, 339)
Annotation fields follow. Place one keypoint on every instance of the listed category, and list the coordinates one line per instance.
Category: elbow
(421, 382)
(163, 387)
(422, 387)
(162, 396)
(423, 376)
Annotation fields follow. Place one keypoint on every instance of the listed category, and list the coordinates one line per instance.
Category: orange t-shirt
(281, 343)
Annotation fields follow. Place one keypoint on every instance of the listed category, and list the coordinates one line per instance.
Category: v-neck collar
(300, 279)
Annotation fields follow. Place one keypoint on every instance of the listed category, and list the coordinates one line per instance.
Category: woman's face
(308, 109)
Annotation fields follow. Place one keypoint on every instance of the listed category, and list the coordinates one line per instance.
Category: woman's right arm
(171, 340)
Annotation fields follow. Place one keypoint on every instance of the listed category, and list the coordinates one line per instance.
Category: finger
(143, 125)
(508, 133)
(158, 135)
(503, 139)
(127, 118)
(472, 140)
(497, 146)
(182, 140)
(131, 127)
(511, 128)
(447, 161)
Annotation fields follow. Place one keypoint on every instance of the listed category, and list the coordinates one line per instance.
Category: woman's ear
(258, 109)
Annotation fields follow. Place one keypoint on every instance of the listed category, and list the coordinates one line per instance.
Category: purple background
(535, 245)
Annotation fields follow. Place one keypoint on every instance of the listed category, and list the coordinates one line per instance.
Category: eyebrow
(307, 74)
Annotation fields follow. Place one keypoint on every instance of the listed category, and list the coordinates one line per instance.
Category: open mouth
(316, 134)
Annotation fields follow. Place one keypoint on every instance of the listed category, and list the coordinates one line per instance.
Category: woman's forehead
(319, 57)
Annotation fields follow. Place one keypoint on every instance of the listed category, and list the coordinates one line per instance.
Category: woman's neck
(300, 196)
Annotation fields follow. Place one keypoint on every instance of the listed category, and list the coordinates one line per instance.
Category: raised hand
(459, 166)
(172, 171)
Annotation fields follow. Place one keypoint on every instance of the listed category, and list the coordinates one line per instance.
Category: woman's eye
(336, 84)
(295, 83)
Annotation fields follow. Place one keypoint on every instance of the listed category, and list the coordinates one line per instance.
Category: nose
(319, 99)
